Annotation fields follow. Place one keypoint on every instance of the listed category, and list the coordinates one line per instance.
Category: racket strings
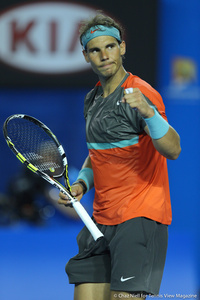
(36, 146)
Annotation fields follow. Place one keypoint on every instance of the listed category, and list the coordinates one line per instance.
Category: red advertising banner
(40, 41)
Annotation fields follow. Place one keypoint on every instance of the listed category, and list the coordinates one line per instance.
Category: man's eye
(93, 51)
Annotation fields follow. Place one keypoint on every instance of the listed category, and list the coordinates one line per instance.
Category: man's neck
(110, 84)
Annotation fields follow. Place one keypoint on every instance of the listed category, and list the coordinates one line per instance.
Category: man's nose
(104, 55)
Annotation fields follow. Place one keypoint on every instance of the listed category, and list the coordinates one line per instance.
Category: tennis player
(129, 141)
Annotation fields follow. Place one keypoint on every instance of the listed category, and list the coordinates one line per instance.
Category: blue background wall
(179, 83)
(32, 258)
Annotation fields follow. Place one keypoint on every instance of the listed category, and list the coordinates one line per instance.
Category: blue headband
(100, 30)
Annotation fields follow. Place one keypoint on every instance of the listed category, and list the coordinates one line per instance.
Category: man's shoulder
(136, 81)
(92, 92)
(89, 98)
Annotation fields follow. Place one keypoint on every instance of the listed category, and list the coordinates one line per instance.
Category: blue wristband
(86, 174)
(158, 127)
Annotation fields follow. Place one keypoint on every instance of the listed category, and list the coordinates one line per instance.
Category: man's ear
(122, 48)
(86, 56)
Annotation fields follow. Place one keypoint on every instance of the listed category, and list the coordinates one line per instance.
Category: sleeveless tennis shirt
(130, 176)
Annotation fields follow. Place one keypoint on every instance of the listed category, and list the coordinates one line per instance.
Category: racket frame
(96, 233)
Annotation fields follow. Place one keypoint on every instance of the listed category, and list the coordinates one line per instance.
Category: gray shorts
(131, 256)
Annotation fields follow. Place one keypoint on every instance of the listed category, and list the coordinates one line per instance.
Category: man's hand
(77, 192)
(136, 100)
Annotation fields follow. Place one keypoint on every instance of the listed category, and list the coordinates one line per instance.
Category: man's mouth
(106, 65)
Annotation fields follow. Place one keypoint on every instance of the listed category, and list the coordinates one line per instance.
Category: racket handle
(94, 230)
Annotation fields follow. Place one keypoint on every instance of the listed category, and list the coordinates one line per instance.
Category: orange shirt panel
(128, 184)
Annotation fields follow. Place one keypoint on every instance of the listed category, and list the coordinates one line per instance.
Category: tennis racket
(39, 150)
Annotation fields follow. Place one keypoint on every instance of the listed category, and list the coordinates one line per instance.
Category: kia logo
(43, 37)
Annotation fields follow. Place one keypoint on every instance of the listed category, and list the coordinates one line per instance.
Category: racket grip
(94, 230)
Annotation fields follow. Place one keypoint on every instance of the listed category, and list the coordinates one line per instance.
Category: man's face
(105, 55)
